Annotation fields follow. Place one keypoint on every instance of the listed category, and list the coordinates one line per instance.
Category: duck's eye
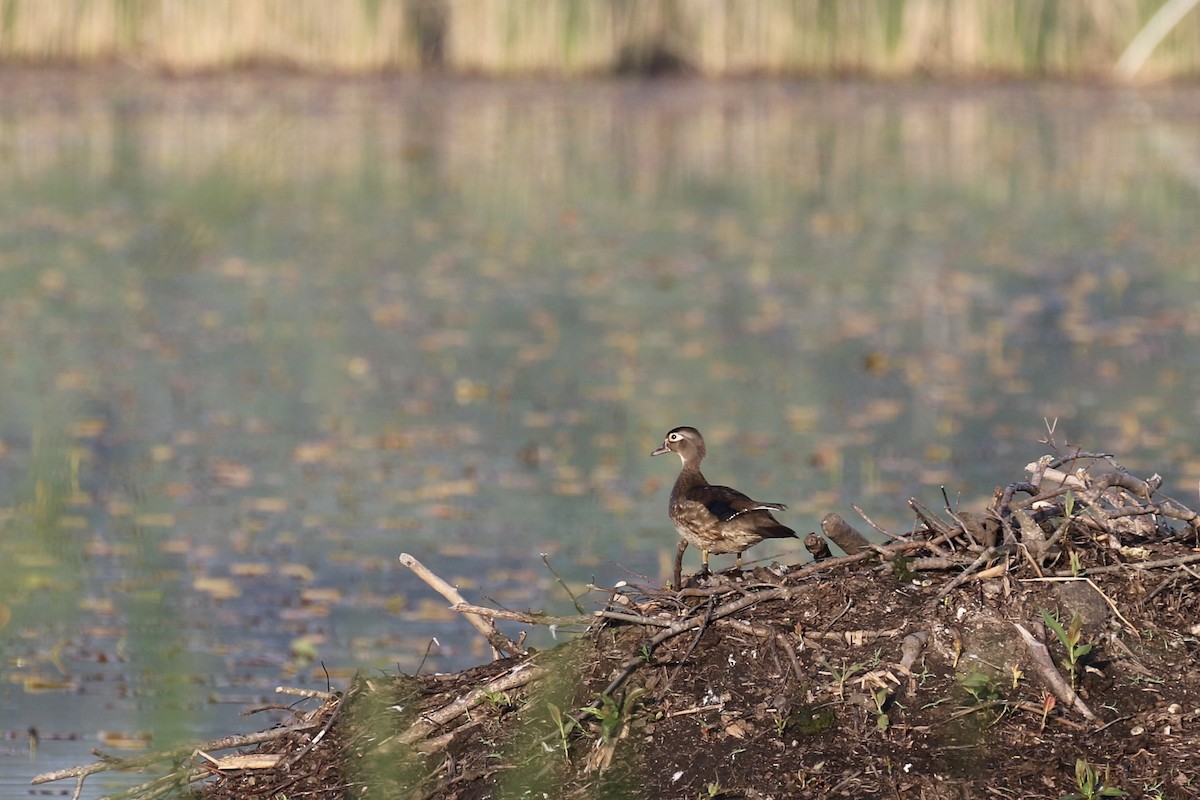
(674, 437)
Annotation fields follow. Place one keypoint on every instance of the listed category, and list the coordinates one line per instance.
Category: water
(258, 336)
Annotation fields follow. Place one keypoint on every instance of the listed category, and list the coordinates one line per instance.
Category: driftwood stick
(527, 617)
(1138, 565)
(517, 676)
(965, 575)
(499, 642)
(710, 615)
(1040, 497)
(224, 743)
(876, 551)
(637, 619)
(1006, 498)
(843, 535)
(1050, 674)
(1135, 485)
(933, 562)
(316, 740)
(932, 524)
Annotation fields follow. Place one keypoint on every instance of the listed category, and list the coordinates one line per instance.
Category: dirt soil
(1043, 647)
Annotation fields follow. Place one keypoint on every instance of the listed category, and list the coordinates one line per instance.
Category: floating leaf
(217, 588)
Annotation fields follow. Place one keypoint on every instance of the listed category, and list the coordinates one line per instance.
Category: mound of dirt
(1043, 647)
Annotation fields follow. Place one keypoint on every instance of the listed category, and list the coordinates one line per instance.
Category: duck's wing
(725, 503)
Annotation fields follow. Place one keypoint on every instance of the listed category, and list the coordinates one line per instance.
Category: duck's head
(685, 442)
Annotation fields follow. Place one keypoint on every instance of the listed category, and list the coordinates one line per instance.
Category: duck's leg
(704, 562)
(737, 564)
(677, 573)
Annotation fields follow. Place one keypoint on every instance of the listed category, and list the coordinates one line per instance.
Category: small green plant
(1090, 785)
(1071, 639)
(882, 721)
(845, 674)
(564, 725)
(496, 699)
(713, 789)
(1076, 564)
(980, 686)
(611, 716)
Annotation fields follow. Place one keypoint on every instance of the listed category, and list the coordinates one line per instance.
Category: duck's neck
(689, 476)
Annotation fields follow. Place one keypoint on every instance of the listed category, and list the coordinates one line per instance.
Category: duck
(715, 519)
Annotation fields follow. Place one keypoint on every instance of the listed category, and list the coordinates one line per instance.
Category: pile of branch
(1032, 531)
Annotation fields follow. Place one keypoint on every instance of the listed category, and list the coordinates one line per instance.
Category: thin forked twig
(499, 642)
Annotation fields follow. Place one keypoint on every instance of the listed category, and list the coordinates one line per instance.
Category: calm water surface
(258, 337)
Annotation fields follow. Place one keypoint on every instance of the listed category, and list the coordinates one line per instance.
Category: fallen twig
(1140, 565)
(965, 575)
(1050, 674)
(499, 642)
(174, 754)
(518, 676)
(527, 617)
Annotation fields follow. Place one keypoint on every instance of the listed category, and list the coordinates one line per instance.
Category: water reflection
(261, 336)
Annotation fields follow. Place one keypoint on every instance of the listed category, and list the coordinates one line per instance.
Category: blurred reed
(945, 38)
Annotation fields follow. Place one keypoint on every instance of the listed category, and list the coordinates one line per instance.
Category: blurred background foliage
(1062, 38)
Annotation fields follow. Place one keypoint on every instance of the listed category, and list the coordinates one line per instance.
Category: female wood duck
(715, 519)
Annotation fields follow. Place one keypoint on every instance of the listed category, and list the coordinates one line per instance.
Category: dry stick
(933, 525)
(965, 575)
(499, 642)
(741, 603)
(877, 550)
(430, 746)
(936, 562)
(518, 676)
(1165, 508)
(158, 786)
(844, 536)
(708, 609)
(1050, 674)
(1140, 488)
(1006, 498)
(316, 740)
(1164, 562)
(693, 621)
(529, 618)
(1033, 499)
(854, 638)
(1020, 706)
(224, 743)
(563, 584)
(637, 619)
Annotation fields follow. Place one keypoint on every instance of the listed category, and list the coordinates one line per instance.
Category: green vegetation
(579, 37)
(1089, 784)
(1071, 638)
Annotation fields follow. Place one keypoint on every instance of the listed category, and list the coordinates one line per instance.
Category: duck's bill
(661, 450)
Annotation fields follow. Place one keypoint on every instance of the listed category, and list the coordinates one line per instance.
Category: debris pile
(1044, 646)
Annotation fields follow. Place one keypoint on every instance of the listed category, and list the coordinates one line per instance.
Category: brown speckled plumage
(716, 519)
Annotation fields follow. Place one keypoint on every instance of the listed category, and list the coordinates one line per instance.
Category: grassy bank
(1071, 38)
